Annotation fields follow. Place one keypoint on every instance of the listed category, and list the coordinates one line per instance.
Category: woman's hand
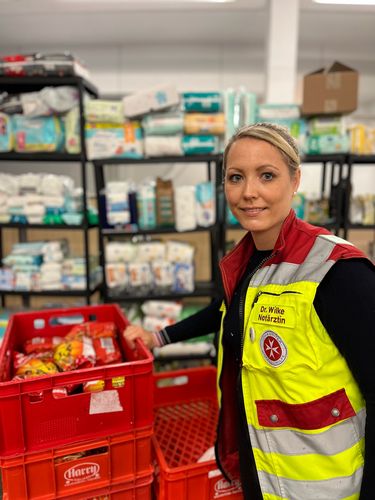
(133, 332)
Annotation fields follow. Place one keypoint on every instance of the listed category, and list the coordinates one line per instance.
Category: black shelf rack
(213, 166)
(22, 84)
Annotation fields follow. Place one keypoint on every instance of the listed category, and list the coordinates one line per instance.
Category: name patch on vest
(273, 348)
(270, 314)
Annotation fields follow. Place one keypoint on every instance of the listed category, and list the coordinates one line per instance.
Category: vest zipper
(242, 301)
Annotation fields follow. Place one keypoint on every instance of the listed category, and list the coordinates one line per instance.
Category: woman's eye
(234, 178)
(267, 176)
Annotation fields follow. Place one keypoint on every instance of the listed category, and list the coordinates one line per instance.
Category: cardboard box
(330, 91)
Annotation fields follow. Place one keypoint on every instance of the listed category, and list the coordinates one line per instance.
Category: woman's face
(259, 189)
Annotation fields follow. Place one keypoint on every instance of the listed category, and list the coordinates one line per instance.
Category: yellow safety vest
(305, 413)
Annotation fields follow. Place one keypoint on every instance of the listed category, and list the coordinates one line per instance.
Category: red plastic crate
(34, 416)
(186, 414)
(110, 464)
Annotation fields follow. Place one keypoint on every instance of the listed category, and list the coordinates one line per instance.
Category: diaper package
(6, 136)
(37, 134)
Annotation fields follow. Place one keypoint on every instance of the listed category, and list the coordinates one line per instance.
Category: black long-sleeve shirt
(345, 304)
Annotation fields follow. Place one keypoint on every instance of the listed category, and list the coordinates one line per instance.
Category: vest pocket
(316, 414)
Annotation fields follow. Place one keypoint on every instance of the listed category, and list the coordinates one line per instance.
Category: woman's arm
(345, 303)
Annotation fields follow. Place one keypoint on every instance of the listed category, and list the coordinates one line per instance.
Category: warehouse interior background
(130, 45)
(266, 46)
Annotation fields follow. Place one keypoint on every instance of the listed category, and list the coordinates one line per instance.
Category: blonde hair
(273, 134)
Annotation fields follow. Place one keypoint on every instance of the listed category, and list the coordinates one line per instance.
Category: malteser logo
(223, 488)
(82, 472)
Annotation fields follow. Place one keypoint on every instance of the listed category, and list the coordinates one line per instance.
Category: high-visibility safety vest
(304, 410)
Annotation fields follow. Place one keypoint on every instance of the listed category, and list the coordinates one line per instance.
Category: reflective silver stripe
(328, 442)
(329, 489)
(314, 267)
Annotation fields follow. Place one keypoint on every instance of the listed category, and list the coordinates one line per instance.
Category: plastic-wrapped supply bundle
(72, 134)
(102, 111)
(116, 275)
(162, 308)
(49, 101)
(185, 219)
(180, 252)
(116, 252)
(164, 203)
(183, 278)
(154, 324)
(166, 123)
(117, 203)
(146, 204)
(37, 134)
(140, 277)
(202, 102)
(153, 99)
(162, 271)
(200, 144)
(108, 140)
(163, 146)
(6, 133)
(150, 251)
(205, 204)
(204, 123)
(240, 109)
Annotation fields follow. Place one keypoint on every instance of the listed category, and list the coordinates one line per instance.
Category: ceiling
(61, 23)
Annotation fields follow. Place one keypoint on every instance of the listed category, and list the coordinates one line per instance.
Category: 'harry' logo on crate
(81, 473)
(223, 488)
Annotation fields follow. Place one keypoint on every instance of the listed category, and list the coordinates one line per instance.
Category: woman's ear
(297, 179)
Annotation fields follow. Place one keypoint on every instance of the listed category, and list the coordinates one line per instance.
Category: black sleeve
(345, 304)
(203, 322)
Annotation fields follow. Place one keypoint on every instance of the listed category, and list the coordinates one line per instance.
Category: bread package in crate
(186, 414)
(67, 375)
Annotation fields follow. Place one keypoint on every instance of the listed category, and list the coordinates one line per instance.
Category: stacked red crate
(55, 445)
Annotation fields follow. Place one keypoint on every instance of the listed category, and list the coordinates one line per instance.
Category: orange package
(41, 344)
(74, 354)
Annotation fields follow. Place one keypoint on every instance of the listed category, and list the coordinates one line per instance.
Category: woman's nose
(250, 190)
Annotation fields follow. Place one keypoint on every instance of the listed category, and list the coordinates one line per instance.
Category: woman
(295, 367)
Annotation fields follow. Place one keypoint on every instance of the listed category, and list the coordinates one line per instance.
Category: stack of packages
(109, 134)
(39, 199)
(44, 265)
(327, 135)
(162, 121)
(240, 107)
(286, 115)
(159, 204)
(32, 121)
(155, 266)
(362, 137)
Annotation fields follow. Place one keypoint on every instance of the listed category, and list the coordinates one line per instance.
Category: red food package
(74, 354)
(41, 344)
(107, 350)
(97, 330)
(92, 329)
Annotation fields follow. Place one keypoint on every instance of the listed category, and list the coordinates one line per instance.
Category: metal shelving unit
(15, 85)
(211, 289)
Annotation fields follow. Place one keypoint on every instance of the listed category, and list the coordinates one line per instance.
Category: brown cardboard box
(330, 91)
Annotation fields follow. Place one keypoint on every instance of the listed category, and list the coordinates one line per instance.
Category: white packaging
(153, 99)
(154, 324)
(163, 146)
(162, 308)
(184, 205)
(183, 278)
(148, 252)
(205, 204)
(139, 274)
(163, 273)
(178, 251)
(116, 275)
